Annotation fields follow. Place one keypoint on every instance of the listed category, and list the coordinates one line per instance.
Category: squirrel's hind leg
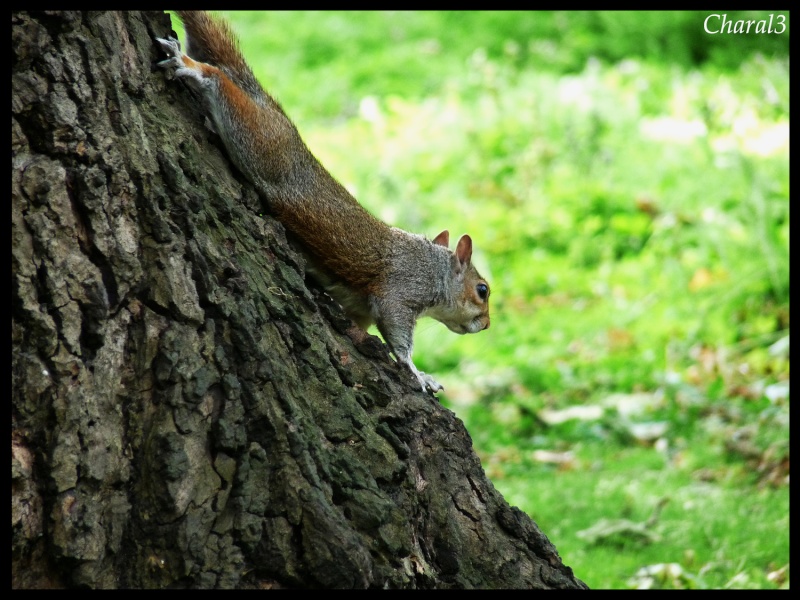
(183, 65)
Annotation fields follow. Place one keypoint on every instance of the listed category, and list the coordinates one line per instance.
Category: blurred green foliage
(625, 179)
(326, 61)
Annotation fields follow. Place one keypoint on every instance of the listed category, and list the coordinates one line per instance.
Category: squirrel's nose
(487, 325)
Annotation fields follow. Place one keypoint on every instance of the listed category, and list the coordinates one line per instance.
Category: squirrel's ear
(443, 239)
(464, 250)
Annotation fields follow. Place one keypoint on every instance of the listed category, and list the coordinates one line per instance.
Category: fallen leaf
(582, 413)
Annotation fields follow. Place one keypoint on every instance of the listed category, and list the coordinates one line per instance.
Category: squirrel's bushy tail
(211, 40)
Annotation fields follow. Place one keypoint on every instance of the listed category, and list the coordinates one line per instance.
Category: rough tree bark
(186, 412)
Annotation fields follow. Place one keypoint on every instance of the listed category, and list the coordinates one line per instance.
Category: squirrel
(377, 273)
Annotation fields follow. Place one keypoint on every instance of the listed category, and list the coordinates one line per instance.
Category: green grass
(625, 179)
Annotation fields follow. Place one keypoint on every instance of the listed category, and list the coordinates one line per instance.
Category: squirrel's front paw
(428, 383)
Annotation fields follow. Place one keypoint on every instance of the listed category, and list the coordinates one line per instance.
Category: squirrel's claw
(170, 45)
(172, 48)
(429, 384)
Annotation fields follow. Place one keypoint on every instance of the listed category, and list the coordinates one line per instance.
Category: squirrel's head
(469, 312)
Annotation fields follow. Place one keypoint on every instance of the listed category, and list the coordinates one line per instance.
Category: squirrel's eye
(483, 290)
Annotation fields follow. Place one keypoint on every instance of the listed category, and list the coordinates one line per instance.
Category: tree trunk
(186, 412)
